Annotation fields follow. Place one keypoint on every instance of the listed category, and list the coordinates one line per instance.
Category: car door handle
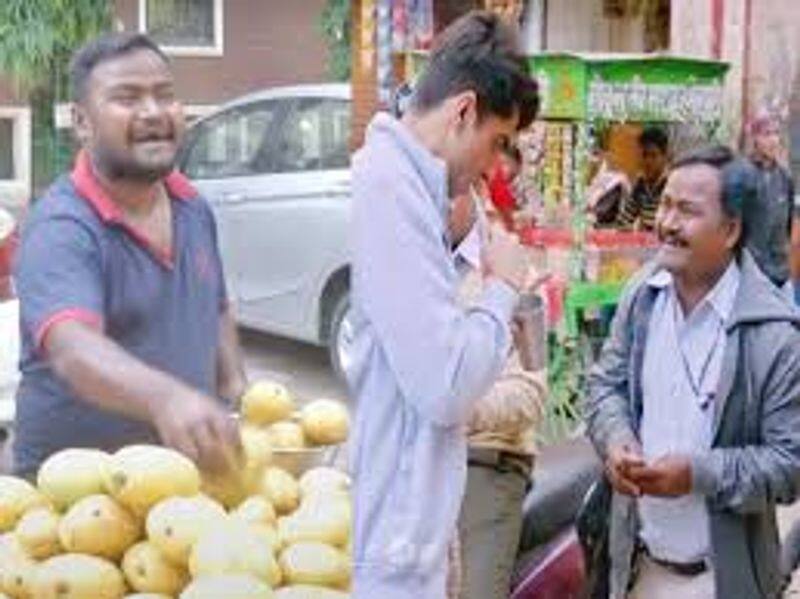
(234, 198)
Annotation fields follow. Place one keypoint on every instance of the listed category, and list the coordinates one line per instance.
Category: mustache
(163, 132)
(671, 238)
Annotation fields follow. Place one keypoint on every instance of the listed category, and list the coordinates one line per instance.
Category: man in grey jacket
(694, 404)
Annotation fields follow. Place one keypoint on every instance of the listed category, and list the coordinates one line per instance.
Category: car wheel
(341, 336)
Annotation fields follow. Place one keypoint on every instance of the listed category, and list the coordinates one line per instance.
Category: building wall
(702, 30)
(267, 42)
(581, 26)
(8, 96)
(774, 79)
(760, 39)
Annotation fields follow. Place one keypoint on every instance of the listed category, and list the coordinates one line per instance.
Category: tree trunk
(53, 149)
(44, 134)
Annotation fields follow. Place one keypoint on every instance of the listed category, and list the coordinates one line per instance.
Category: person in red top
(127, 334)
(501, 184)
(8, 243)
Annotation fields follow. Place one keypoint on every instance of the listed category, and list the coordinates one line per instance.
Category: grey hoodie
(754, 461)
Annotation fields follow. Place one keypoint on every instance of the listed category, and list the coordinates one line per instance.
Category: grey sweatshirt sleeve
(748, 479)
(443, 357)
(608, 416)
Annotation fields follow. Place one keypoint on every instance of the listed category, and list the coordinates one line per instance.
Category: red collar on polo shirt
(87, 185)
(89, 188)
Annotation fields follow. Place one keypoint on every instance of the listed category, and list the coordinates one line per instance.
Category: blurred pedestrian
(501, 185)
(638, 210)
(771, 219)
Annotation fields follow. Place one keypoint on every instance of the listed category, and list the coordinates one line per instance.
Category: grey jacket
(754, 462)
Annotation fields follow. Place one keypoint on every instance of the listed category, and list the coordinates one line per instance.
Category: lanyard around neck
(697, 387)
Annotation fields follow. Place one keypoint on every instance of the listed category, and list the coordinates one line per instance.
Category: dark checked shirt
(768, 222)
(641, 205)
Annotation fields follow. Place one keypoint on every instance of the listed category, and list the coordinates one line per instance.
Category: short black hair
(480, 52)
(738, 178)
(102, 49)
(654, 137)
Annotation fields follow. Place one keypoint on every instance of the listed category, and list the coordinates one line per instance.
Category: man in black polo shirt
(769, 218)
(127, 335)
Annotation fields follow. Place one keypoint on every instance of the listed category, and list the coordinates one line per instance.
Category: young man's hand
(621, 461)
(505, 258)
(668, 476)
(199, 428)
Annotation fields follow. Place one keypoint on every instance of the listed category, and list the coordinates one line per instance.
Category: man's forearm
(231, 378)
(746, 479)
(105, 375)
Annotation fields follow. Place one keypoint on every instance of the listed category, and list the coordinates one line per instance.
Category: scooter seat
(563, 474)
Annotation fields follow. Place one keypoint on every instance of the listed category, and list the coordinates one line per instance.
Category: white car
(9, 332)
(275, 166)
(9, 358)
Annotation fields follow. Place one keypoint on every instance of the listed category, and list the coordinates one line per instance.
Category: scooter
(551, 559)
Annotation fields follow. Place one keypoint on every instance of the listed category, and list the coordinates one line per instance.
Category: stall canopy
(629, 87)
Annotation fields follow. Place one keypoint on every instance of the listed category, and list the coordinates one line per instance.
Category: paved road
(303, 368)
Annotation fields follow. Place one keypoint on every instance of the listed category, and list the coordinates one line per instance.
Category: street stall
(597, 104)
(594, 105)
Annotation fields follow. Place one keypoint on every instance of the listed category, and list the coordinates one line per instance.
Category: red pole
(717, 24)
(748, 19)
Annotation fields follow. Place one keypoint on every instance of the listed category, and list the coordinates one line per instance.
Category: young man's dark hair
(655, 137)
(737, 176)
(480, 52)
(102, 49)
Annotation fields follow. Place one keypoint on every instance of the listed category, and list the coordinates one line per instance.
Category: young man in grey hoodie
(420, 360)
(694, 404)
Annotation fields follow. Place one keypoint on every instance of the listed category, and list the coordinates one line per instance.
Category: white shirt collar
(721, 297)
(469, 250)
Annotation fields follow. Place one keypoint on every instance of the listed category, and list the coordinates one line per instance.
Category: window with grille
(183, 26)
(7, 145)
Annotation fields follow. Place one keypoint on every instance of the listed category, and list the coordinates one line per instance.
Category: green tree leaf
(37, 39)
(335, 26)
